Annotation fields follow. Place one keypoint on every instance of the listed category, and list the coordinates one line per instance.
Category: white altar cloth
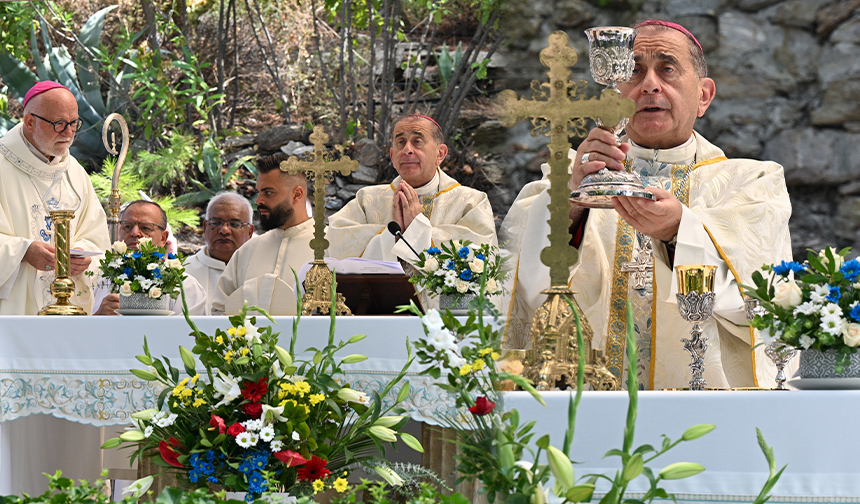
(811, 431)
(77, 368)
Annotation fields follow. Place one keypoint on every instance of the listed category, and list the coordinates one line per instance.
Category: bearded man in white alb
(31, 155)
(285, 245)
(709, 210)
(429, 206)
(226, 228)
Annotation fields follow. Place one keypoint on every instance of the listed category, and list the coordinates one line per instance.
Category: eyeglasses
(60, 126)
(145, 227)
(232, 224)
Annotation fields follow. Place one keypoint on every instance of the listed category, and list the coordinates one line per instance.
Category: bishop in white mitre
(227, 226)
(429, 206)
(709, 210)
(32, 154)
(255, 268)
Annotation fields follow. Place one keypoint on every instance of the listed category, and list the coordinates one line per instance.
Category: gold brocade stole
(616, 337)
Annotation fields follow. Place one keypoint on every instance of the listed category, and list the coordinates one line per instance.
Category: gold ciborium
(696, 304)
(62, 201)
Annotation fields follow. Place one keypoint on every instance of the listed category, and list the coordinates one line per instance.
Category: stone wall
(787, 90)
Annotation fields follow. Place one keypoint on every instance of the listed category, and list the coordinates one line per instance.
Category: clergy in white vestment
(285, 245)
(227, 227)
(732, 213)
(140, 219)
(429, 206)
(31, 155)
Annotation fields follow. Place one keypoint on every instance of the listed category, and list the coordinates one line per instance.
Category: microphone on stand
(394, 228)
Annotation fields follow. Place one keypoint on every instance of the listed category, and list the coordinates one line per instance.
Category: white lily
(277, 413)
(139, 487)
(227, 387)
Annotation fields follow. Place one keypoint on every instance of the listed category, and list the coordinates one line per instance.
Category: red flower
(217, 422)
(314, 469)
(254, 391)
(482, 406)
(167, 452)
(290, 458)
(235, 429)
(254, 409)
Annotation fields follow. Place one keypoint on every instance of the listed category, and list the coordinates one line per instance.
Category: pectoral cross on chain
(318, 281)
(639, 268)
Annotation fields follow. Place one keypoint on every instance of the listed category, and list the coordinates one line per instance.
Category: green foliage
(167, 166)
(380, 493)
(163, 82)
(209, 164)
(447, 64)
(130, 188)
(16, 21)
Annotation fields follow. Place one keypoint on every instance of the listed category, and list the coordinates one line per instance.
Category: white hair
(238, 198)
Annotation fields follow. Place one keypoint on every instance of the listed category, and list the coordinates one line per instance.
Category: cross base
(318, 286)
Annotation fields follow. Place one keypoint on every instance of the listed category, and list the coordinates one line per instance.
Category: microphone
(394, 228)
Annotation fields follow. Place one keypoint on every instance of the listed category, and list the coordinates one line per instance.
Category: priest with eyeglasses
(227, 227)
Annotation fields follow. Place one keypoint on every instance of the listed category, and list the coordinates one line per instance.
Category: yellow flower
(185, 393)
(340, 485)
(178, 390)
(495, 355)
(318, 485)
(244, 351)
(464, 370)
(219, 340)
(199, 402)
(184, 382)
(316, 399)
(307, 410)
(303, 388)
(229, 356)
(479, 364)
(231, 331)
(241, 331)
(485, 351)
(196, 377)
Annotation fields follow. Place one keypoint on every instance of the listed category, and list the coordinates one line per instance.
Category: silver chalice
(696, 304)
(778, 352)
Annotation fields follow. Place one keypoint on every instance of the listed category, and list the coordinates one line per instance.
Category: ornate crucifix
(318, 281)
(556, 111)
(639, 268)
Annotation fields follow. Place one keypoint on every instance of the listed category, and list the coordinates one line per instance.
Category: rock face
(787, 74)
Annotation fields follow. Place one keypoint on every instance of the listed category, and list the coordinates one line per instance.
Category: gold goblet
(696, 304)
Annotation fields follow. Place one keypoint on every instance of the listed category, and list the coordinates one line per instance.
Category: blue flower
(480, 256)
(784, 267)
(851, 270)
(835, 294)
(156, 273)
(463, 252)
(170, 255)
(157, 254)
(466, 274)
(449, 264)
(257, 484)
(136, 254)
(212, 479)
(855, 313)
(434, 251)
(128, 271)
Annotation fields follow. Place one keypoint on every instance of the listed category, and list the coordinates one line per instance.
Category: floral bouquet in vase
(149, 270)
(814, 306)
(455, 269)
(256, 420)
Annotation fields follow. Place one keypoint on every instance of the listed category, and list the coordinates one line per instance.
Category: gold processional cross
(558, 111)
(318, 281)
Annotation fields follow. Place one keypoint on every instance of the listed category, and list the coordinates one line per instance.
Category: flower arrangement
(814, 304)
(456, 267)
(494, 448)
(256, 420)
(149, 270)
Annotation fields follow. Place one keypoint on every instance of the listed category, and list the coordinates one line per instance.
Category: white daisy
(246, 439)
(819, 293)
(163, 419)
(296, 436)
(276, 445)
(831, 309)
(833, 325)
(267, 433)
(252, 425)
(806, 308)
(147, 431)
(806, 341)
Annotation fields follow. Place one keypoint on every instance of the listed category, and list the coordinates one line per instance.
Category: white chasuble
(207, 270)
(277, 252)
(24, 179)
(735, 216)
(449, 212)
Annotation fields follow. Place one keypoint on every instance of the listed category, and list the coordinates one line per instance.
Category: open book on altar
(369, 287)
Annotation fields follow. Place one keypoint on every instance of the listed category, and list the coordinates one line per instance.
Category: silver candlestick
(778, 352)
(696, 304)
